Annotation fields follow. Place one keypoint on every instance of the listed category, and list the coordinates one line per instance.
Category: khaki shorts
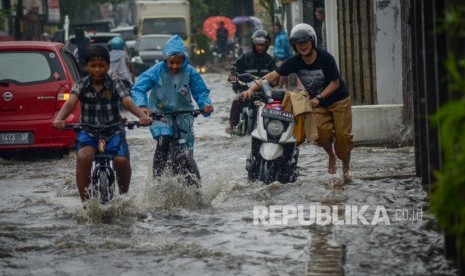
(334, 125)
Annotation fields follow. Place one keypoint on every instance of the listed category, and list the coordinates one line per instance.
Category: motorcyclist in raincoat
(171, 85)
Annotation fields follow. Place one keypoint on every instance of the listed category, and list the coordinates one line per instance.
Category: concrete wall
(388, 47)
(296, 14)
(373, 124)
(332, 32)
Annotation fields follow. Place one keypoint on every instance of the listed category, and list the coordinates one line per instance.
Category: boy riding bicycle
(99, 95)
(171, 85)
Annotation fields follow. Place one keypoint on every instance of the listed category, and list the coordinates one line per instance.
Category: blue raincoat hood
(175, 45)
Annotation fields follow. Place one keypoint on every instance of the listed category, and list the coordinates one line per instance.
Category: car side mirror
(135, 30)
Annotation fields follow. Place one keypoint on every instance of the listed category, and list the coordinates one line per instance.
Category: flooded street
(162, 228)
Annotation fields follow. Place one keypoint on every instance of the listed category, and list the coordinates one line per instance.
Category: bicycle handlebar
(159, 115)
(128, 124)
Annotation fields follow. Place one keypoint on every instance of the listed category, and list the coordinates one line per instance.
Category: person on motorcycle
(256, 62)
(329, 95)
(120, 63)
(171, 85)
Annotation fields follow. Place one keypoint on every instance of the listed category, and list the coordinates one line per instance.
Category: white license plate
(278, 114)
(16, 138)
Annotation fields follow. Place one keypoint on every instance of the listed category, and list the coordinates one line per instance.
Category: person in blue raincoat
(170, 85)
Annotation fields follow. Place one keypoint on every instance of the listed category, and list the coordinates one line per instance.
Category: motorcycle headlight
(275, 128)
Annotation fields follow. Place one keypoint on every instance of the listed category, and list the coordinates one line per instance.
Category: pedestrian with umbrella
(212, 24)
(222, 39)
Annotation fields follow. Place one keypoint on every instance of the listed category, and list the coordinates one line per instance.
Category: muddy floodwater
(380, 224)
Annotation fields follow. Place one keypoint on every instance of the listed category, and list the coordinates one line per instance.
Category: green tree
(268, 6)
(447, 197)
(4, 15)
(199, 11)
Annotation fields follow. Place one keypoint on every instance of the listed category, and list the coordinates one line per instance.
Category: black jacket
(255, 64)
(252, 63)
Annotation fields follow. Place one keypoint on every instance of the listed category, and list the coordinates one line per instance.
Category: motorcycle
(274, 154)
(248, 111)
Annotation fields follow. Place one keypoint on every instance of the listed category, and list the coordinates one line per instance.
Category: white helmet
(302, 32)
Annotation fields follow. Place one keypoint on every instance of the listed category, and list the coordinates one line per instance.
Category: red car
(35, 81)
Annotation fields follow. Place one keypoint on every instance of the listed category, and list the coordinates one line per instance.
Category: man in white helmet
(329, 96)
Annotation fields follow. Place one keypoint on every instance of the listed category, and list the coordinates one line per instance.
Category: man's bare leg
(346, 168)
(332, 159)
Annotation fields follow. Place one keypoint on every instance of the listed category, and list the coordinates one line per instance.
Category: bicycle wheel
(194, 173)
(161, 157)
(104, 188)
(187, 166)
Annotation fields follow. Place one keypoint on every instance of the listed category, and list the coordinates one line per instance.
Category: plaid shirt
(100, 108)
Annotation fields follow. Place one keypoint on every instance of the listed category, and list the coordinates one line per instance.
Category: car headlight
(275, 128)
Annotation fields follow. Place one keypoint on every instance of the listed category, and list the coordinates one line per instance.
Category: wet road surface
(163, 228)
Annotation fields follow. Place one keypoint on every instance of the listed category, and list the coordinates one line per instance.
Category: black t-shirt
(316, 76)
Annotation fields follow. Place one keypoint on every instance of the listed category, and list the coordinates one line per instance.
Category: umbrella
(256, 22)
(212, 23)
(240, 20)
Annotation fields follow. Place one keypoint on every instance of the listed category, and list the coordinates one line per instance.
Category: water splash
(121, 208)
(168, 192)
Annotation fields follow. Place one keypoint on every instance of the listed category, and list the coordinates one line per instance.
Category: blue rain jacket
(165, 95)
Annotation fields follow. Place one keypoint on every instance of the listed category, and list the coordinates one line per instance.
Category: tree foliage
(447, 198)
(267, 4)
(5, 15)
(201, 9)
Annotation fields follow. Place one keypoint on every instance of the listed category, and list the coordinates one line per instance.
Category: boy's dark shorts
(116, 145)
